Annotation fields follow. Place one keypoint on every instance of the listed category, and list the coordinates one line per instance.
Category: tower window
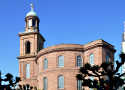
(79, 61)
(27, 46)
(33, 23)
(91, 59)
(45, 64)
(61, 82)
(61, 61)
(45, 83)
(27, 70)
(30, 23)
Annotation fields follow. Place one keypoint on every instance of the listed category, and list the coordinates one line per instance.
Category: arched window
(79, 61)
(61, 82)
(91, 59)
(27, 47)
(45, 63)
(27, 70)
(45, 83)
(34, 22)
(61, 61)
(79, 84)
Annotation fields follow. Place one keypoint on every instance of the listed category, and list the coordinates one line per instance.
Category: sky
(61, 21)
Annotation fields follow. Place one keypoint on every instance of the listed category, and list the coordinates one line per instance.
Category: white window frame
(45, 83)
(91, 59)
(81, 62)
(61, 61)
(61, 83)
(45, 63)
(27, 71)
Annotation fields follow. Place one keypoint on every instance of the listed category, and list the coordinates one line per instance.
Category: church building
(56, 67)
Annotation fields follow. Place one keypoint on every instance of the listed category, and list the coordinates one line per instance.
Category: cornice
(99, 43)
(26, 56)
(76, 47)
(56, 49)
(27, 33)
(30, 33)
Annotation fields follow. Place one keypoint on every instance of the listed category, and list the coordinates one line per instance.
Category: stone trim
(58, 50)
(75, 47)
(30, 33)
(60, 69)
(26, 56)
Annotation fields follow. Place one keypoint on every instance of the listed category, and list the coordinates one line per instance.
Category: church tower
(31, 42)
(123, 48)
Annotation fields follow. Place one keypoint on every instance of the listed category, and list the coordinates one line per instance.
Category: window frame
(45, 83)
(77, 61)
(79, 87)
(60, 77)
(27, 47)
(44, 66)
(27, 70)
(30, 23)
(91, 56)
(58, 61)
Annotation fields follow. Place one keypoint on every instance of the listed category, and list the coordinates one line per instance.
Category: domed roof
(32, 12)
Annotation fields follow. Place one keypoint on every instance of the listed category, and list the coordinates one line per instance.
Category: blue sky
(61, 21)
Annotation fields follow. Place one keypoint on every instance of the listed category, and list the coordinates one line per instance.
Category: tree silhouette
(26, 87)
(8, 82)
(103, 77)
(11, 83)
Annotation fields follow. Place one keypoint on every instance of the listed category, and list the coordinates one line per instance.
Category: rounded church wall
(53, 71)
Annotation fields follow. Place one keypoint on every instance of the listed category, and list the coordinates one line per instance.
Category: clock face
(30, 23)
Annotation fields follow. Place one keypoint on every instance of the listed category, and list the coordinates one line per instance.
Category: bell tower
(31, 42)
(123, 48)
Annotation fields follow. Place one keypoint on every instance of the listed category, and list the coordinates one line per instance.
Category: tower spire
(123, 40)
(32, 7)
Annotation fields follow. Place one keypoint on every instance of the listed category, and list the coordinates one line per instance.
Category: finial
(32, 7)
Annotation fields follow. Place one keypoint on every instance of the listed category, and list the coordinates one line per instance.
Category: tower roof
(32, 12)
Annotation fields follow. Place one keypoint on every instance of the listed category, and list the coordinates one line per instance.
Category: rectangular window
(79, 84)
(45, 82)
(27, 70)
(91, 59)
(30, 22)
(45, 64)
(79, 61)
(61, 61)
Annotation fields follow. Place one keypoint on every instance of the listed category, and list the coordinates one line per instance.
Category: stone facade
(37, 54)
